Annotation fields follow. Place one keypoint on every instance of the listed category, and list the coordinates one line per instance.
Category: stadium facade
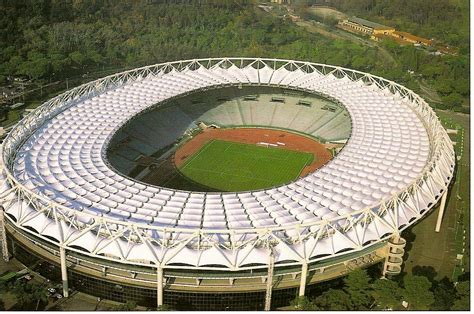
(113, 236)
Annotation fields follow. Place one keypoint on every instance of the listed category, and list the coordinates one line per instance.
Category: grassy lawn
(325, 12)
(439, 251)
(229, 166)
(460, 198)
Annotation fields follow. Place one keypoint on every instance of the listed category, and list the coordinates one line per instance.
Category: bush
(127, 306)
(303, 304)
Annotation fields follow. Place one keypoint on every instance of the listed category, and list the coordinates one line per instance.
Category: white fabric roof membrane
(64, 159)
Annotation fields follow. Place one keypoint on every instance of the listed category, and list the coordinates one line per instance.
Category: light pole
(41, 286)
(97, 304)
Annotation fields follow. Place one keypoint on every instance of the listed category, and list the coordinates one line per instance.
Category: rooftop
(413, 37)
(388, 151)
(368, 23)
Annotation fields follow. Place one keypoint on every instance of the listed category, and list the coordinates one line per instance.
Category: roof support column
(159, 286)
(3, 235)
(441, 211)
(304, 275)
(62, 255)
(268, 293)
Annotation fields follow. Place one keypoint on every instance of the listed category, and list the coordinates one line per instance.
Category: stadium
(220, 183)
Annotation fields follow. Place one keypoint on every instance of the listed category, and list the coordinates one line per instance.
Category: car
(52, 290)
(57, 296)
(26, 277)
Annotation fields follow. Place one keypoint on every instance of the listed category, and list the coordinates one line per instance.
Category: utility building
(412, 38)
(358, 25)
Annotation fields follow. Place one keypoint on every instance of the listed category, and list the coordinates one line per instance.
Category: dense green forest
(361, 292)
(445, 21)
(55, 39)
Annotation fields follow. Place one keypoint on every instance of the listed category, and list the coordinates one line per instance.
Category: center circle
(230, 139)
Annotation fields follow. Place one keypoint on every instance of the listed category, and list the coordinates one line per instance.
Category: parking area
(14, 273)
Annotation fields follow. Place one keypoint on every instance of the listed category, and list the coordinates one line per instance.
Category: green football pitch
(229, 166)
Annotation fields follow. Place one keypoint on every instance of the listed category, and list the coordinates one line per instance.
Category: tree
(164, 307)
(77, 57)
(445, 294)
(303, 304)
(387, 294)
(462, 303)
(29, 295)
(462, 86)
(13, 65)
(3, 286)
(334, 300)
(443, 86)
(59, 62)
(425, 271)
(453, 100)
(357, 286)
(69, 38)
(35, 67)
(417, 292)
(430, 70)
(360, 62)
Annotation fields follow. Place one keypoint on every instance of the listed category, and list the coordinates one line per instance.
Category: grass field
(438, 251)
(229, 166)
(325, 12)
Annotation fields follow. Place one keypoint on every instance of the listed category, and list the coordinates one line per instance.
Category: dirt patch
(328, 12)
(290, 140)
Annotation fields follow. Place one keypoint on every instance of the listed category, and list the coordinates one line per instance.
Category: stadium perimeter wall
(108, 265)
(186, 290)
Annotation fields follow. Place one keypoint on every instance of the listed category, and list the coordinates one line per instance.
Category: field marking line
(285, 153)
(230, 174)
(229, 145)
(284, 157)
(263, 149)
(234, 174)
(205, 147)
(305, 165)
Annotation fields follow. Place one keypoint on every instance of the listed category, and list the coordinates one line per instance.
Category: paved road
(429, 93)
(336, 33)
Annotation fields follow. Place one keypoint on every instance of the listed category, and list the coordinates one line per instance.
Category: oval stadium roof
(393, 169)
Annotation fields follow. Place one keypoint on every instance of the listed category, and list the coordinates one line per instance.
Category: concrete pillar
(159, 286)
(441, 211)
(62, 255)
(396, 238)
(3, 235)
(268, 294)
(304, 274)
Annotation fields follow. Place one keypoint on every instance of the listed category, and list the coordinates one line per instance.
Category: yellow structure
(358, 25)
(378, 32)
(412, 38)
(403, 38)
